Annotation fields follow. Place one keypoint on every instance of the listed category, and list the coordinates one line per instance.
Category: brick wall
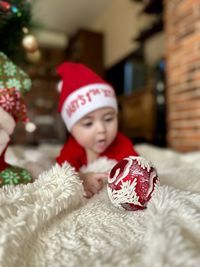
(182, 26)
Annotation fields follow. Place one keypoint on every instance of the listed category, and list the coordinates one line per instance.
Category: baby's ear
(7, 122)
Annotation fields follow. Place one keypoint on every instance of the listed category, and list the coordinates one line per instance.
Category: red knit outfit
(74, 154)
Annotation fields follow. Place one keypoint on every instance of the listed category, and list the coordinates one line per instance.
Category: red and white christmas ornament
(131, 183)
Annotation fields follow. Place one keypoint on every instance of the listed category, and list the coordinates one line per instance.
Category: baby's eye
(87, 124)
(108, 118)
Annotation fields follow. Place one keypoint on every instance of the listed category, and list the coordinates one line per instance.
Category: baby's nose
(101, 127)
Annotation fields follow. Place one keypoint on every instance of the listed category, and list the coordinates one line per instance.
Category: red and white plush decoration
(131, 183)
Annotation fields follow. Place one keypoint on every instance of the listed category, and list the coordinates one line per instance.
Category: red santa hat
(81, 92)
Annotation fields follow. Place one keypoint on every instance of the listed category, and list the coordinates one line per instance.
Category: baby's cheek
(113, 132)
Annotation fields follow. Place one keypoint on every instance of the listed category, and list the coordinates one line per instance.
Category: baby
(88, 106)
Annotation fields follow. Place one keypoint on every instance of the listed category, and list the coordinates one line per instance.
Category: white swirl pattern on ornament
(153, 175)
(125, 172)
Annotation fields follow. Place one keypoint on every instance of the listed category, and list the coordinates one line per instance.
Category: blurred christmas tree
(15, 16)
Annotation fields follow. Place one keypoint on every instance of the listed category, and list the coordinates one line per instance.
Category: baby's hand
(93, 182)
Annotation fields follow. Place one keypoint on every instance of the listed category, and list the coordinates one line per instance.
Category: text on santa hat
(88, 97)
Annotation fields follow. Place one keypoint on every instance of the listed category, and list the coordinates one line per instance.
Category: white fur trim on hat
(7, 122)
(85, 100)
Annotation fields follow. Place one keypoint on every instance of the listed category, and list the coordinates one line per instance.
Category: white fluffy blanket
(50, 224)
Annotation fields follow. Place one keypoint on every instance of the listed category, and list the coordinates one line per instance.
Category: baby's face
(97, 130)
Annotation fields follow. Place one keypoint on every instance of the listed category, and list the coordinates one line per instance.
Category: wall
(154, 48)
(120, 24)
(182, 23)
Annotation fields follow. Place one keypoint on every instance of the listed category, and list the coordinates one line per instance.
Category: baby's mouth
(101, 143)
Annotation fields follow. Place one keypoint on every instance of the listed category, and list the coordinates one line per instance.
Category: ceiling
(66, 16)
